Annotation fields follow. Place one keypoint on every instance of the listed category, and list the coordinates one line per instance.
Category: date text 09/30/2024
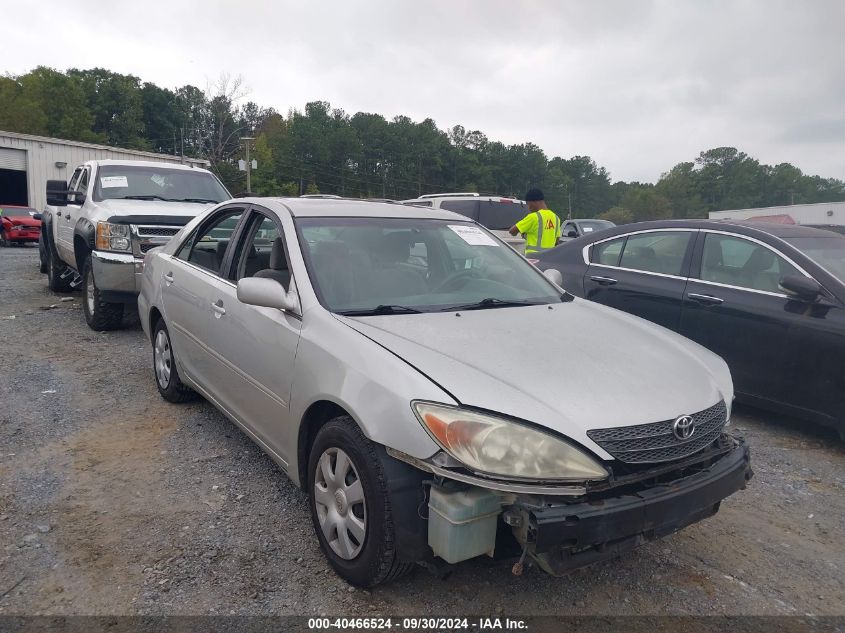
(418, 624)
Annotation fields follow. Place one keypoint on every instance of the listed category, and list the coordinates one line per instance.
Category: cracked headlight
(497, 446)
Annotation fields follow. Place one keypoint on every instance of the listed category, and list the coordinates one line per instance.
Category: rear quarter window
(500, 216)
(469, 208)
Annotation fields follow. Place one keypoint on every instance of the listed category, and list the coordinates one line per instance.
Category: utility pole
(246, 140)
(569, 195)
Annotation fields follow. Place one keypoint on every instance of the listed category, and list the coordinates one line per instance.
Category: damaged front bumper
(563, 537)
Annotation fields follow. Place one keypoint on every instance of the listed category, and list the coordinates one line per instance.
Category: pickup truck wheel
(54, 275)
(43, 267)
(170, 386)
(99, 314)
(350, 507)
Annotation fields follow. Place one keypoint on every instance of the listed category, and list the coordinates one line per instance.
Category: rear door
(642, 273)
(63, 230)
(734, 307)
(188, 280)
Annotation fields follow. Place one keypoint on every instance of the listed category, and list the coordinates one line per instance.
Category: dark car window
(739, 262)
(656, 252)
(419, 203)
(500, 216)
(468, 208)
(827, 252)
(594, 226)
(608, 253)
(206, 248)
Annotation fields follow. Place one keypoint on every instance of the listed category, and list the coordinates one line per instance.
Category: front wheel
(99, 314)
(350, 507)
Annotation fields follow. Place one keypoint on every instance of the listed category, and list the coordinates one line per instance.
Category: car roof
(146, 163)
(462, 196)
(353, 208)
(749, 228)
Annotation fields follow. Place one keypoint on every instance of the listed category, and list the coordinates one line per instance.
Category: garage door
(12, 159)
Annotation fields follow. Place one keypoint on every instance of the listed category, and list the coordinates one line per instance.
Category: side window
(607, 253)
(469, 208)
(207, 247)
(739, 262)
(656, 252)
(264, 253)
(74, 179)
(500, 216)
(82, 185)
(421, 203)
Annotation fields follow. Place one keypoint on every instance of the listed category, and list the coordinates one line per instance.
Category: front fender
(337, 364)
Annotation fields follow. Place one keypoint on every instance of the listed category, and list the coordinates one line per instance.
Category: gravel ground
(114, 502)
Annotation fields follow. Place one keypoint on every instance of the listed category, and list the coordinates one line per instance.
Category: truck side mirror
(572, 233)
(57, 193)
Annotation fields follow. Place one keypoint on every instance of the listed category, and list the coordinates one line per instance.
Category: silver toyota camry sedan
(435, 395)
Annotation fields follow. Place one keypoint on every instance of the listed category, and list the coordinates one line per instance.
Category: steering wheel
(446, 284)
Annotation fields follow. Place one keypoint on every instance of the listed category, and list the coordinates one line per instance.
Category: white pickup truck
(98, 227)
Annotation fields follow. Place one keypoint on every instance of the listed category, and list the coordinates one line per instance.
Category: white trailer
(818, 213)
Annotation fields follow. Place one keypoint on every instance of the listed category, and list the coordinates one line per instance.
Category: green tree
(617, 215)
(62, 101)
(115, 102)
(20, 111)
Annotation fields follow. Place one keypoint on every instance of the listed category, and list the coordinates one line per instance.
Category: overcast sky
(637, 85)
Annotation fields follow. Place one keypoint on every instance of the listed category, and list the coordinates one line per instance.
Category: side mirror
(57, 193)
(572, 233)
(553, 275)
(269, 293)
(801, 287)
(36, 216)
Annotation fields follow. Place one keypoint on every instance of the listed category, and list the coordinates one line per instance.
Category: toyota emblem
(684, 427)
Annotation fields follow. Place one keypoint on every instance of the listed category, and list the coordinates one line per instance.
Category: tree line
(322, 149)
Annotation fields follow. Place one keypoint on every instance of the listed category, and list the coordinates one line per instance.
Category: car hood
(571, 368)
(152, 208)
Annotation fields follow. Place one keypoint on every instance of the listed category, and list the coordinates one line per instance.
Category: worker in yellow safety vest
(541, 227)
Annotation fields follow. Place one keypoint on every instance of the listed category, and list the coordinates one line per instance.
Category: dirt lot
(113, 501)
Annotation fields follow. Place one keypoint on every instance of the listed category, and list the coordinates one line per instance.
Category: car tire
(169, 384)
(54, 275)
(100, 315)
(42, 259)
(363, 561)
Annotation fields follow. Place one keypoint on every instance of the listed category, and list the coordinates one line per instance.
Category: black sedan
(768, 298)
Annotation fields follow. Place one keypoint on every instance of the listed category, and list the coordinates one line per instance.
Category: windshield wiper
(203, 200)
(381, 309)
(492, 302)
(150, 197)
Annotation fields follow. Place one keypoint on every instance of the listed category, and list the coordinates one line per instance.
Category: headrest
(277, 255)
(760, 260)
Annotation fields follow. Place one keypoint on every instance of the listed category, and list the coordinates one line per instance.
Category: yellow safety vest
(541, 229)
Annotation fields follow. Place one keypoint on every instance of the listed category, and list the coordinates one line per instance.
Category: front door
(642, 273)
(734, 307)
(254, 348)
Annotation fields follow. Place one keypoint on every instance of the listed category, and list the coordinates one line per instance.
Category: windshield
(827, 252)
(395, 265)
(157, 183)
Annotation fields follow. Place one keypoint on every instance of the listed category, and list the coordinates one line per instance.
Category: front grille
(147, 247)
(656, 442)
(158, 231)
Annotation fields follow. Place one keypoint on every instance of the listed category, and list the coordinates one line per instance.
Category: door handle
(58, 214)
(168, 278)
(218, 308)
(705, 299)
(604, 281)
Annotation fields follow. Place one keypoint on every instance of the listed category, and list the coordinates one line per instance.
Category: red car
(17, 225)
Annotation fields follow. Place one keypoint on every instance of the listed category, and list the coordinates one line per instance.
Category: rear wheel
(43, 267)
(169, 384)
(54, 274)
(350, 507)
(99, 314)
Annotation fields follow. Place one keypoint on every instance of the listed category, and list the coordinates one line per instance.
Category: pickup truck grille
(656, 442)
(147, 237)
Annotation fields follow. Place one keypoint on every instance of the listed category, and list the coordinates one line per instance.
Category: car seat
(278, 265)
(756, 272)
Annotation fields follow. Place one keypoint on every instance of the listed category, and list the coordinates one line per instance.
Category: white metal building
(27, 162)
(818, 213)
